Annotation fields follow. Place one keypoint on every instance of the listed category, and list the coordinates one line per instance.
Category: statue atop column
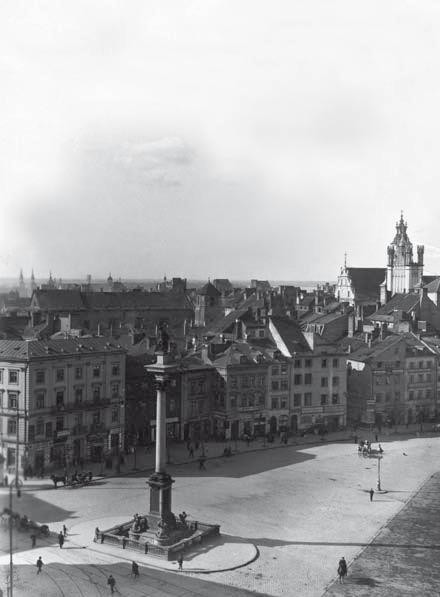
(163, 339)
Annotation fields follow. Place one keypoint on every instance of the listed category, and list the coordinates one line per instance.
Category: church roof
(366, 281)
(433, 285)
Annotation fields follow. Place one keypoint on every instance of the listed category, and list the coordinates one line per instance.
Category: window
(40, 376)
(308, 363)
(274, 403)
(397, 395)
(275, 371)
(12, 427)
(324, 382)
(59, 374)
(96, 393)
(59, 424)
(78, 395)
(115, 390)
(252, 381)
(397, 364)
(297, 363)
(335, 362)
(172, 406)
(420, 364)
(78, 372)
(323, 363)
(261, 380)
(233, 401)
(323, 399)
(419, 377)
(12, 399)
(115, 414)
(60, 399)
(388, 397)
(96, 370)
(428, 365)
(297, 379)
(116, 370)
(308, 379)
(283, 369)
(261, 333)
(411, 365)
(379, 364)
(335, 398)
(335, 381)
(40, 427)
(428, 377)
(428, 393)
(31, 433)
(78, 420)
(243, 401)
(411, 379)
(39, 399)
(1, 375)
(297, 400)
(308, 399)
(379, 397)
(234, 383)
(275, 385)
(411, 395)
(13, 376)
(283, 402)
(49, 431)
(96, 417)
(245, 381)
(284, 384)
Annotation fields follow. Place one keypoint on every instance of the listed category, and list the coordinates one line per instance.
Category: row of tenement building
(257, 361)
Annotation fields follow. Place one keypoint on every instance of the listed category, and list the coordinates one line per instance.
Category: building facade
(62, 402)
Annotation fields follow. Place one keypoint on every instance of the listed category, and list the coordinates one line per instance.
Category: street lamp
(379, 458)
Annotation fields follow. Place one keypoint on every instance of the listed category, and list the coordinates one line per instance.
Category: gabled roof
(433, 286)
(225, 322)
(399, 302)
(241, 353)
(209, 290)
(366, 281)
(291, 334)
(377, 348)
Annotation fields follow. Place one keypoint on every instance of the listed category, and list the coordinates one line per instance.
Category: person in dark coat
(135, 569)
(371, 492)
(64, 530)
(202, 466)
(180, 561)
(61, 539)
(191, 451)
(39, 565)
(111, 582)
(34, 540)
(342, 569)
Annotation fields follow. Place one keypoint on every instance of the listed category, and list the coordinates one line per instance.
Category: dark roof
(366, 281)
(209, 290)
(377, 348)
(291, 334)
(15, 350)
(242, 353)
(433, 286)
(74, 300)
(399, 302)
(50, 299)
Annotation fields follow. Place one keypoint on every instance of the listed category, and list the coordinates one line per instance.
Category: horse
(58, 479)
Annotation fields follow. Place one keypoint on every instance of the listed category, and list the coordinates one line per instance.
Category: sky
(240, 139)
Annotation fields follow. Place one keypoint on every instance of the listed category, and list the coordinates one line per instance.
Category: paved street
(303, 507)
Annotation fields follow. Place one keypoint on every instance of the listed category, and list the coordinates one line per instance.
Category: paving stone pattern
(404, 557)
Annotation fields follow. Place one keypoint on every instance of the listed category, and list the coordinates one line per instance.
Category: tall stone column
(160, 482)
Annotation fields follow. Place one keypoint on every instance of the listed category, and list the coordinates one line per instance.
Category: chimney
(350, 325)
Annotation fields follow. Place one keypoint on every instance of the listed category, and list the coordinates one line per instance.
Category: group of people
(365, 448)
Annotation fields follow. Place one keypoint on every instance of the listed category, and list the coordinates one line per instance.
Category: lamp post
(379, 458)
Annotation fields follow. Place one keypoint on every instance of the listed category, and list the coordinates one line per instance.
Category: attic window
(243, 359)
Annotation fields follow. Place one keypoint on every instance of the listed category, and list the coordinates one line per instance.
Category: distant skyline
(213, 138)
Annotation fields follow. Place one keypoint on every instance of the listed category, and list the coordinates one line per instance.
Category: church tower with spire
(403, 273)
(22, 291)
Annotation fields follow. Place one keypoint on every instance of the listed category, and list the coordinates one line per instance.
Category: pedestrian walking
(60, 539)
(377, 437)
(97, 533)
(202, 466)
(371, 494)
(135, 569)
(64, 530)
(124, 542)
(39, 565)
(33, 540)
(111, 582)
(180, 561)
(342, 569)
(191, 451)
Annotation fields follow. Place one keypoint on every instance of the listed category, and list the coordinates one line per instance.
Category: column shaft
(161, 431)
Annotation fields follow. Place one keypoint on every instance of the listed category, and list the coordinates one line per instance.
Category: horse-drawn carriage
(75, 480)
(23, 523)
